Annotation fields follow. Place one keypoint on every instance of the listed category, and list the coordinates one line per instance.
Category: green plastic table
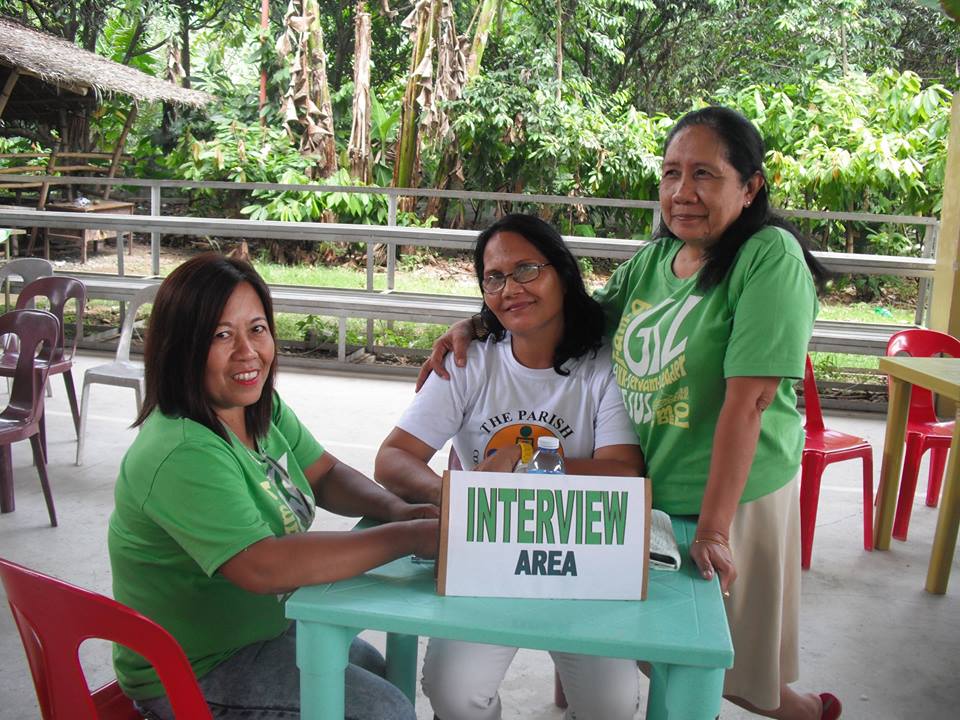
(681, 629)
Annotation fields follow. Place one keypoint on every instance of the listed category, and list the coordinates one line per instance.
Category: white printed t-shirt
(495, 402)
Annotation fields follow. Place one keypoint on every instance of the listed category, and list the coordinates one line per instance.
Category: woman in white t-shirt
(541, 371)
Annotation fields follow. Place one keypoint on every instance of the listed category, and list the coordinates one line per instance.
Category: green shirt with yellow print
(186, 502)
(674, 346)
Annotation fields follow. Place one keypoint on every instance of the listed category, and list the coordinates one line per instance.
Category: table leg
(657, 693)
(948, 521)
(684, 692)
(322, 656)
(896, 433)
(402, 663)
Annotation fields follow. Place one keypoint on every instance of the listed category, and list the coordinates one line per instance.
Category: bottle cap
(548, 442)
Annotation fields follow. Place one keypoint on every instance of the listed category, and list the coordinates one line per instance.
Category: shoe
(832, 706)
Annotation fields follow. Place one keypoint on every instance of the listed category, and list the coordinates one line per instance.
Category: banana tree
(306, 109)
(420, 23)
(359, 148)
(450, 167)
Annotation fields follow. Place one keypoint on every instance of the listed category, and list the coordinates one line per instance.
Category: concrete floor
(870, 633)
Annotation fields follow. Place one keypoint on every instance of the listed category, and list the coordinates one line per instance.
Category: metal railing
(391, 235)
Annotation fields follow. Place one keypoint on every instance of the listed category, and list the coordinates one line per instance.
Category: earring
(747, 204)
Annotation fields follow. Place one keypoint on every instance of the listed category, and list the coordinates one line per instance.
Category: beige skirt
(764, 604)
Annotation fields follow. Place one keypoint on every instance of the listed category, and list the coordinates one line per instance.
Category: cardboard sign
(521, 535)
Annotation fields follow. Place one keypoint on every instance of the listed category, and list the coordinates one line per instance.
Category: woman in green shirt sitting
(215, 503)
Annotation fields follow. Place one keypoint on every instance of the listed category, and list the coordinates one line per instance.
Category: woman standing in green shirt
(710, 328)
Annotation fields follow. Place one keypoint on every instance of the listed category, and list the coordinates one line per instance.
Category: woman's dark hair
(185, 315)
(745, 151)
(583, 317)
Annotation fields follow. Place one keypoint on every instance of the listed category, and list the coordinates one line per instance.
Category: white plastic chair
(28, 270)
(122, 372)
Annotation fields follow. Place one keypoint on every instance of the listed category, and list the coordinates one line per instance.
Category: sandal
(832, 706)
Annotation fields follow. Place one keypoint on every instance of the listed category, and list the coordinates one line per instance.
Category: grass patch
(353, 279)
(865, 312)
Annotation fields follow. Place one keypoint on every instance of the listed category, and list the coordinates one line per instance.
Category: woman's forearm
(621, 460)
(282, 564)
(734, 446)
(346, 491)
(605, 466)
(407, 476)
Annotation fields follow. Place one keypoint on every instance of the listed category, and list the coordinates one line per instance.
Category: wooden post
(8, 88)
(118, 150)
(945, 299)
(944, 313)
(42, 202)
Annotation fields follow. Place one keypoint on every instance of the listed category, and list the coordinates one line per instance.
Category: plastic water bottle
(547, 460)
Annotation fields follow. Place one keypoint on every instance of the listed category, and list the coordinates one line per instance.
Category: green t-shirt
(186, 502)
(674, 346)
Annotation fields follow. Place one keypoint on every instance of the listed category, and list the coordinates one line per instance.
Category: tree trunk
(174, 74)
(185, 41)
(450, 168)
(359, 149)
(422, 19)
(264, 27)
(306, 105)
(559, 48)
(320, 136)
(488, 11)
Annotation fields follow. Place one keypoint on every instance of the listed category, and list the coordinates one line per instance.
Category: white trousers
(462, 681)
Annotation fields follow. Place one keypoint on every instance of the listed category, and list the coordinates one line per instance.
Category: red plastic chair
(54, 618)
(58, 291)
(821, 448)
(22, 419)
(924, 430)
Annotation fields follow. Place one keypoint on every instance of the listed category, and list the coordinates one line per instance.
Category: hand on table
(711, 553)
(425, 537)
(415, 511)
(503, 460)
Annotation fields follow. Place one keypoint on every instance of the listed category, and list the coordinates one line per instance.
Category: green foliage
(315, 330)
(869, 144)
(238, 152)
(20, 145)
(517, 137)
(852, 95)
(297, 206)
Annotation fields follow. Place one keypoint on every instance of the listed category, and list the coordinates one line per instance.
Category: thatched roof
(61, 64)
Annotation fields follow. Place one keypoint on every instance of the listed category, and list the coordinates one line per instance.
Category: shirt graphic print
(296, 508)
(650, 362)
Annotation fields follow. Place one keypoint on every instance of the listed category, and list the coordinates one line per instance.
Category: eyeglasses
(528, 272)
